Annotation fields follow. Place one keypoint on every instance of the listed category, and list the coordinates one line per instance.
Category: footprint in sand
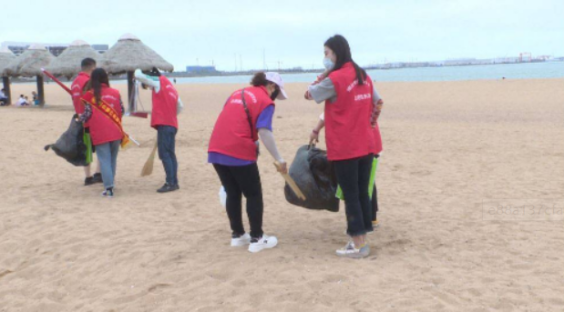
(158, 287)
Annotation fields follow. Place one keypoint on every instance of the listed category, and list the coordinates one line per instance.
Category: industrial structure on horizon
(56, 49)
(524, 57)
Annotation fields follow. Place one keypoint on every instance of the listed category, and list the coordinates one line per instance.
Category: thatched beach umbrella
(29, 64)
(68, 63)
(6, 56)
(129, 54)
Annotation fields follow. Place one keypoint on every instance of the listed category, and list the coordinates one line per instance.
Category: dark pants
(166, 138)
(238, 181)
(374, 203)
(375, 199)
(354, 176)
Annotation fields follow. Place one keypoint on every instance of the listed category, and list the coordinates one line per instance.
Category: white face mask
(328, 64)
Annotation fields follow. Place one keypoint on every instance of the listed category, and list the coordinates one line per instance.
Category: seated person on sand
(22, 101)
(3, 98)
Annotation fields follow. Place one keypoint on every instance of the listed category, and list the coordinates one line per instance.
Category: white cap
(277, 79)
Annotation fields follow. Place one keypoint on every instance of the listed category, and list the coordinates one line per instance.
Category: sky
(247, 34)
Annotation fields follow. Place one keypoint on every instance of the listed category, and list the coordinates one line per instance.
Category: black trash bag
(315, 177)
(70, 146)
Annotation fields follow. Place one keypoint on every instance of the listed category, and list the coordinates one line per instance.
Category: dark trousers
(166, 136)
(374, 203)
(354, 176)
(239, 181)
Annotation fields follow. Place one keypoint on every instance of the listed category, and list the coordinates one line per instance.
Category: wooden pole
(40, 90)
(6, 82)
(130, 92)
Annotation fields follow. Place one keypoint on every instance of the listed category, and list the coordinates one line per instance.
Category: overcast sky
(293, 32)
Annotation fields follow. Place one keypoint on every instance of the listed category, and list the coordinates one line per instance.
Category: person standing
(233, 151)
(103, 110)
(314, 137)
(77, 88)
(166, 106)
(347, 92)
(34, 98)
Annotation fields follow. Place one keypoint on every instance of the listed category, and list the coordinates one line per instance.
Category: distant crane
(525, 57)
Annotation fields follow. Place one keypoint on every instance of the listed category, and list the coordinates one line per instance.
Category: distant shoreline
(290, 71)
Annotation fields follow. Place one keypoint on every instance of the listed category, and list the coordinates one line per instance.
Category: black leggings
(238, 181)
(374, 203)
(354, 176)
(375, 199)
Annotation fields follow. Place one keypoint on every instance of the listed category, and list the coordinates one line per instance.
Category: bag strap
(248, 113)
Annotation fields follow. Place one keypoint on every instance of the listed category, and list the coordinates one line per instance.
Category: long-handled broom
(148, 167)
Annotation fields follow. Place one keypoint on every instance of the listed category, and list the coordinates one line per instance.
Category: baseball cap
(277, 79)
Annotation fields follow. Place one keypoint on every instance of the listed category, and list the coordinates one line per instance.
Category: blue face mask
(328, 64)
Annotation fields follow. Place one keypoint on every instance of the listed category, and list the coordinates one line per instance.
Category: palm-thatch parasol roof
(129, 54)
(68, 63)
(30, 62)
(6, 57)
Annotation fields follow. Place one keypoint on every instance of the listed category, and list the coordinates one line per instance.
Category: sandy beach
(452, 152)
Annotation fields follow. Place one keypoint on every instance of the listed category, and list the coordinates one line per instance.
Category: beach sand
(452, 151)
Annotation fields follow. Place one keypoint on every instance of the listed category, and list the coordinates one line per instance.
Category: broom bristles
(148, 167)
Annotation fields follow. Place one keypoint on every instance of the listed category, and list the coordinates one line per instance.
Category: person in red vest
(166, 106)
(87, 66)
(347, 92)
(103, 111)
(233, 151)
(378, 103)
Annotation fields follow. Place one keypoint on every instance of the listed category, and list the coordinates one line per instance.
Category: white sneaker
(350, 251)
(265, 242)
(241, 241)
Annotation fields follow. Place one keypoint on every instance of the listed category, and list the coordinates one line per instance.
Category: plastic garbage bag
(70, 146)
(315, 177)
(222, 196)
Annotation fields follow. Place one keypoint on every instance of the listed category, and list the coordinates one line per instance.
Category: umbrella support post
(6, 82)
(130, 91)
(40, 90)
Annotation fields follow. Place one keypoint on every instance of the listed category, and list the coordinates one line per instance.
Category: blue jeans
(165, 138)
(107, 155)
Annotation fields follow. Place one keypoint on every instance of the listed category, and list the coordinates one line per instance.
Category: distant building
(18, 48)
(56, 50)
(101, 48)
(196, 69)
(455, 62)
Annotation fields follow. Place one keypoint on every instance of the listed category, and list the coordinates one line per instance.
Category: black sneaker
(89, 181)
(168, 188)
(97, 178)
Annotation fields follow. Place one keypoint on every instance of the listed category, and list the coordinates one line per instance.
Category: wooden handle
(291, 183)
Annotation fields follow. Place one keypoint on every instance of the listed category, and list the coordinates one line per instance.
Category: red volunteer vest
(164, 105)
(102, 128)
(232, 135)
(348, 131)
(77, 88)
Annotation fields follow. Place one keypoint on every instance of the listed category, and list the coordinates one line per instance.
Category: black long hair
(340, 46)
(98, 77)
(154, 72)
